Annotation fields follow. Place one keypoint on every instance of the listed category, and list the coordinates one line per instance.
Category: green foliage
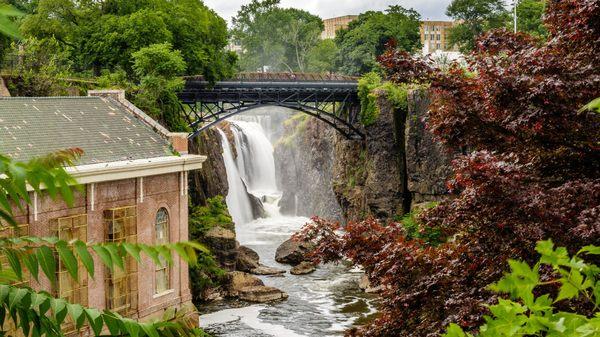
(531, 311)
(593, 105)
(104, 35)
(204, 218)
(294, 127)
(7, 25)
(529, 17)
(370, 87)
(416, 229)
(158, 67)
(366, 38)
(321, 57)
(38, 313)
(158, 60)
(279, 39)
(476, 17)
(38, 68)
(207, 273)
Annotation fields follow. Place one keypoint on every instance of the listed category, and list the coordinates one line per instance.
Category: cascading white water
(256, 164)
(237, 199)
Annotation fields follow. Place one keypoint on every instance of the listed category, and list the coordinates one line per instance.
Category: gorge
(282, 167)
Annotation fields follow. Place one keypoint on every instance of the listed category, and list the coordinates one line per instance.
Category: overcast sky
(429, 9)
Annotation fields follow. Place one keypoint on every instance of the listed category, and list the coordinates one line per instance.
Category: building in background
(333, 25)
(434, 37)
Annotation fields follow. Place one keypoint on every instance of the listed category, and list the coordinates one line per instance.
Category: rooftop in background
(333, 25)
(104, 128)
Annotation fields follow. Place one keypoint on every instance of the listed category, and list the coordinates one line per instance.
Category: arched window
(162, 281)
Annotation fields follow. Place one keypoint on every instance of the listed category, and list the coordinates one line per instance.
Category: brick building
(134, 188)
(434, 36)
(334, 24)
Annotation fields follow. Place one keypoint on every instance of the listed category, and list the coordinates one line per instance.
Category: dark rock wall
(427, 160)
(399, 165)
(211, 180)
(303, 162)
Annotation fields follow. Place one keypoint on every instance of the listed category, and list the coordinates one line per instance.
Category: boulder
(247, 259)
(292, 252)
(264, 270)
(238, 280)
(261, 294)
(303, 268)
(365, 285)
(223, 244)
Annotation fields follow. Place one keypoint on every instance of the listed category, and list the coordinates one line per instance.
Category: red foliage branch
(532, 173)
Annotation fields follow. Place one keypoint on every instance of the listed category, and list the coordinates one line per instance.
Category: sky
(429, 9)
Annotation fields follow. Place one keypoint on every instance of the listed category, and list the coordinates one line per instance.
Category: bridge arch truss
(334, 102)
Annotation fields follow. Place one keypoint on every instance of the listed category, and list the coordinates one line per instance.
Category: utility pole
(515, 3)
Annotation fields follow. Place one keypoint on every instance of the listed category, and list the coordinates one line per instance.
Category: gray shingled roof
(103, 128)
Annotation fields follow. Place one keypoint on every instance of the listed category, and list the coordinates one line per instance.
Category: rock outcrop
(304, 162)
(398, 165)
(427, 160)
(211, 180)
(303, 268)
(247, 259)
(292, 252)
(224, 246)
(261, 294)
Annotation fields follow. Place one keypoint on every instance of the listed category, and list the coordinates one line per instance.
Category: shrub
(535, 293)
(370, 87)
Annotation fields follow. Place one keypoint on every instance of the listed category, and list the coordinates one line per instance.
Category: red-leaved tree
(532, 173)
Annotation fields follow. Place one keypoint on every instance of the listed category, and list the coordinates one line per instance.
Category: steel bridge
(330, 98)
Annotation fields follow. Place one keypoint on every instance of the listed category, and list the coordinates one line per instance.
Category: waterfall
(255, 158)
(237, 199)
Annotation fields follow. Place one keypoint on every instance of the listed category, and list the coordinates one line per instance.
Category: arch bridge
(330, 98)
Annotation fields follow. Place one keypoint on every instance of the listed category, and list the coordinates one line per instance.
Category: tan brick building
(434, 36)
(134, 179)
(334, 24)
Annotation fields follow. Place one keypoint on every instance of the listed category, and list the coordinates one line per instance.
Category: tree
(104, 35)
(275, 38)
(321, 57)
(158, 68)
(39, 313)
(529, 17)
(366, 38)
(475, 17)
(529, 173)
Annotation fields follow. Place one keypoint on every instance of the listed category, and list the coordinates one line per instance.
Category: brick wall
(148, 194)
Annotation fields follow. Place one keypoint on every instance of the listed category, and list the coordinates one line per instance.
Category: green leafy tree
(278, 39)
(321, 58)
(366, 38)
(158, 68)
(475, 17)
(40, 314)
(529, 17)
(104, 35)
(536, 294)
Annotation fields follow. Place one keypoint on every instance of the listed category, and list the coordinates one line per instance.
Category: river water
(324, 303)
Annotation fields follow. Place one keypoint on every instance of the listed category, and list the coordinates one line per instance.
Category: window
(121, 285)
(162, 281)
(67, 229)
(439, 37)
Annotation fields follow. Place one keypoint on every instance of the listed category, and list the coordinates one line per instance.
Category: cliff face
(399, 166)
(212, 179)
(427, 160)
(304, 166)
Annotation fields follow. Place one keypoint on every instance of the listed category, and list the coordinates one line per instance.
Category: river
(324, 303)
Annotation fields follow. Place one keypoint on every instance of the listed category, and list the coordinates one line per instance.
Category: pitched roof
(102, 127)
